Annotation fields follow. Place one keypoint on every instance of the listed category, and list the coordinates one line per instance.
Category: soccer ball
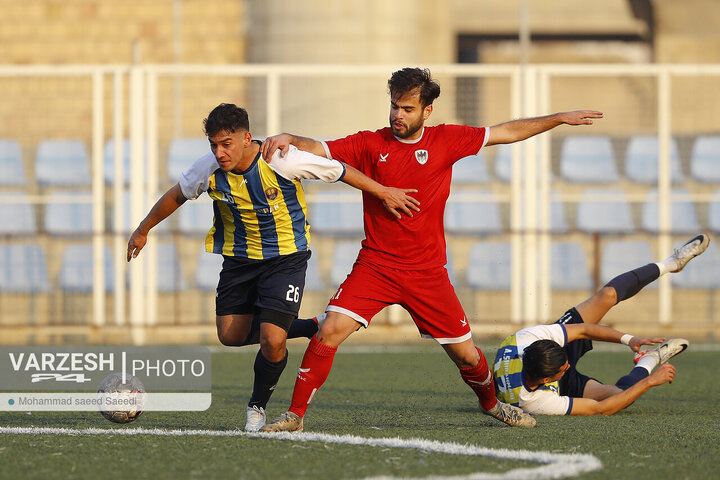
(113, 394)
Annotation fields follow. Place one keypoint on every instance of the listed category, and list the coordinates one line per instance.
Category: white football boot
(513, 416)
(687, 252)
(666, 350)
(255, 418)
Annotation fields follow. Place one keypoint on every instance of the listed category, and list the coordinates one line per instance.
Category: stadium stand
(313, 278)
(489, 266)
(76, 271)
(62, 163)
(470, 170)
(344, 257)
(195, 217)
(17, 214)
(604, 216)
(109, 161)
(503, 162)
(641, 160)
(705, 158)
(714, 212)
(128, 227)
(619, 256)
(12, 171)
(208, 270)
(169, 269)
(473, 217)
(703, 274)
(23, 269)
(64, 217)
(588, 159)
(337, 211)
(182, 154)
(683, 215)
(568, 267)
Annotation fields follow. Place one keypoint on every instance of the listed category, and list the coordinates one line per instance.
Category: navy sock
(302, 327)
(629, 283)
(635, 375)
(267, 375)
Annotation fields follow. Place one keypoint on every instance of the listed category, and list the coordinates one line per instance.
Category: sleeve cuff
(570, 404)
(342, 175)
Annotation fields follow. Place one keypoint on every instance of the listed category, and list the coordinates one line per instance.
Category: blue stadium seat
(489, 266)
(558, 220)
(701, 272)
(503, 163)
(23, 269)
(12, 171)
(336, 211)
(68, 218)
(183, 153)
(604, 216)
(162, 227)
(714, 212)
(344, 257)
(208, 270)
(588, 159)
(473, 217)
(313, 279)
(683, 215)
(109, 161)
(17, 216)
(169, 269)
(470, 170)
(568, 267)
(195, 217)
(641, 160)
(76, 271)
(620, 256)
(705, 159)
(62, 163)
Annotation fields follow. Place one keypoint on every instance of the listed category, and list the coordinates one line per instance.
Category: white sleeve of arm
(196, 179)
(543, 402)
(299, 165)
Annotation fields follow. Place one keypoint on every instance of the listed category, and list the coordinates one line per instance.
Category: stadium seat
(473, 217)
(558, 220)
(62, 163)
(714, 212)
(17, 216)
(63, 217)
(611, 215)
(208, 270)
(183, 153)
(641, 160)
(169, 269)
(503, 163)
(489, 266)
(683, 215)
(344, 257)
(701, 272)
(705, 159)
(109, 161)
(76, 271)
(568, 267)
(196, 217)
(313, 278)
(336, 211)
(162, 227)
(23, 269)
(12, 171)
(470, 170)
(620, 256)
(588, 159)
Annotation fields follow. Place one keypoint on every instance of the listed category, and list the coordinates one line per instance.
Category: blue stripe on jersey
(219, 234)
(569, 410)
(240, 247)
(265, 217)
(297, 215)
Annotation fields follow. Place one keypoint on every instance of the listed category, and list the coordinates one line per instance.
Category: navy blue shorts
(249, 286)
(572, 384)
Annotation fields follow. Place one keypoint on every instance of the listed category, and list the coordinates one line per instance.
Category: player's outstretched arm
(587, 406)
(395, 200)
(517, 130)
(167, 204)
(601, 333)
(283, 142)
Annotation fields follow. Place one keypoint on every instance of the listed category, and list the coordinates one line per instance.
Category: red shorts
(427, 295)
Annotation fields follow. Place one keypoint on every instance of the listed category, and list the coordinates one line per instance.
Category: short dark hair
(408, 79)
(226, 117)
(543, 358)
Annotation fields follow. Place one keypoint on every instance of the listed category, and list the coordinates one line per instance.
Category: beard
(407, 130)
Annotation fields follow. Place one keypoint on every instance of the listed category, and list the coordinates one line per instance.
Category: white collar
(402, 140)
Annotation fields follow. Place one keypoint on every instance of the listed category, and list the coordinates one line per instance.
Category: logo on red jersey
(383, 158)
(421, 156)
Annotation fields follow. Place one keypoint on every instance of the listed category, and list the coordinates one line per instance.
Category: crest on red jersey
(421, 156)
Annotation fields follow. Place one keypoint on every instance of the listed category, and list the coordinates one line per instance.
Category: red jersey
(424, 164)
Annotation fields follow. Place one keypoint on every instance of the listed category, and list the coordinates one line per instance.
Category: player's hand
(281, 141)
(664, 373)
(136, 243)
(637, 342)
(396, 200)
(580, 117)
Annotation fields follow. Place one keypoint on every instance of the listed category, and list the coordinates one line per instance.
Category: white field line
(553, 465)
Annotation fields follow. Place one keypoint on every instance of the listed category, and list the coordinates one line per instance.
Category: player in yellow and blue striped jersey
(260, 228)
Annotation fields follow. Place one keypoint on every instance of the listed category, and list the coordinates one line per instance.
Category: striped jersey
(509, 376)
(261, 212)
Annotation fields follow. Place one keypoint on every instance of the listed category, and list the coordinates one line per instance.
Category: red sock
(313, 372)
(480, 379)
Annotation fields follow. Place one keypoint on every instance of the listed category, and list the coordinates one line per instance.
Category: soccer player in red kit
(402, 260)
